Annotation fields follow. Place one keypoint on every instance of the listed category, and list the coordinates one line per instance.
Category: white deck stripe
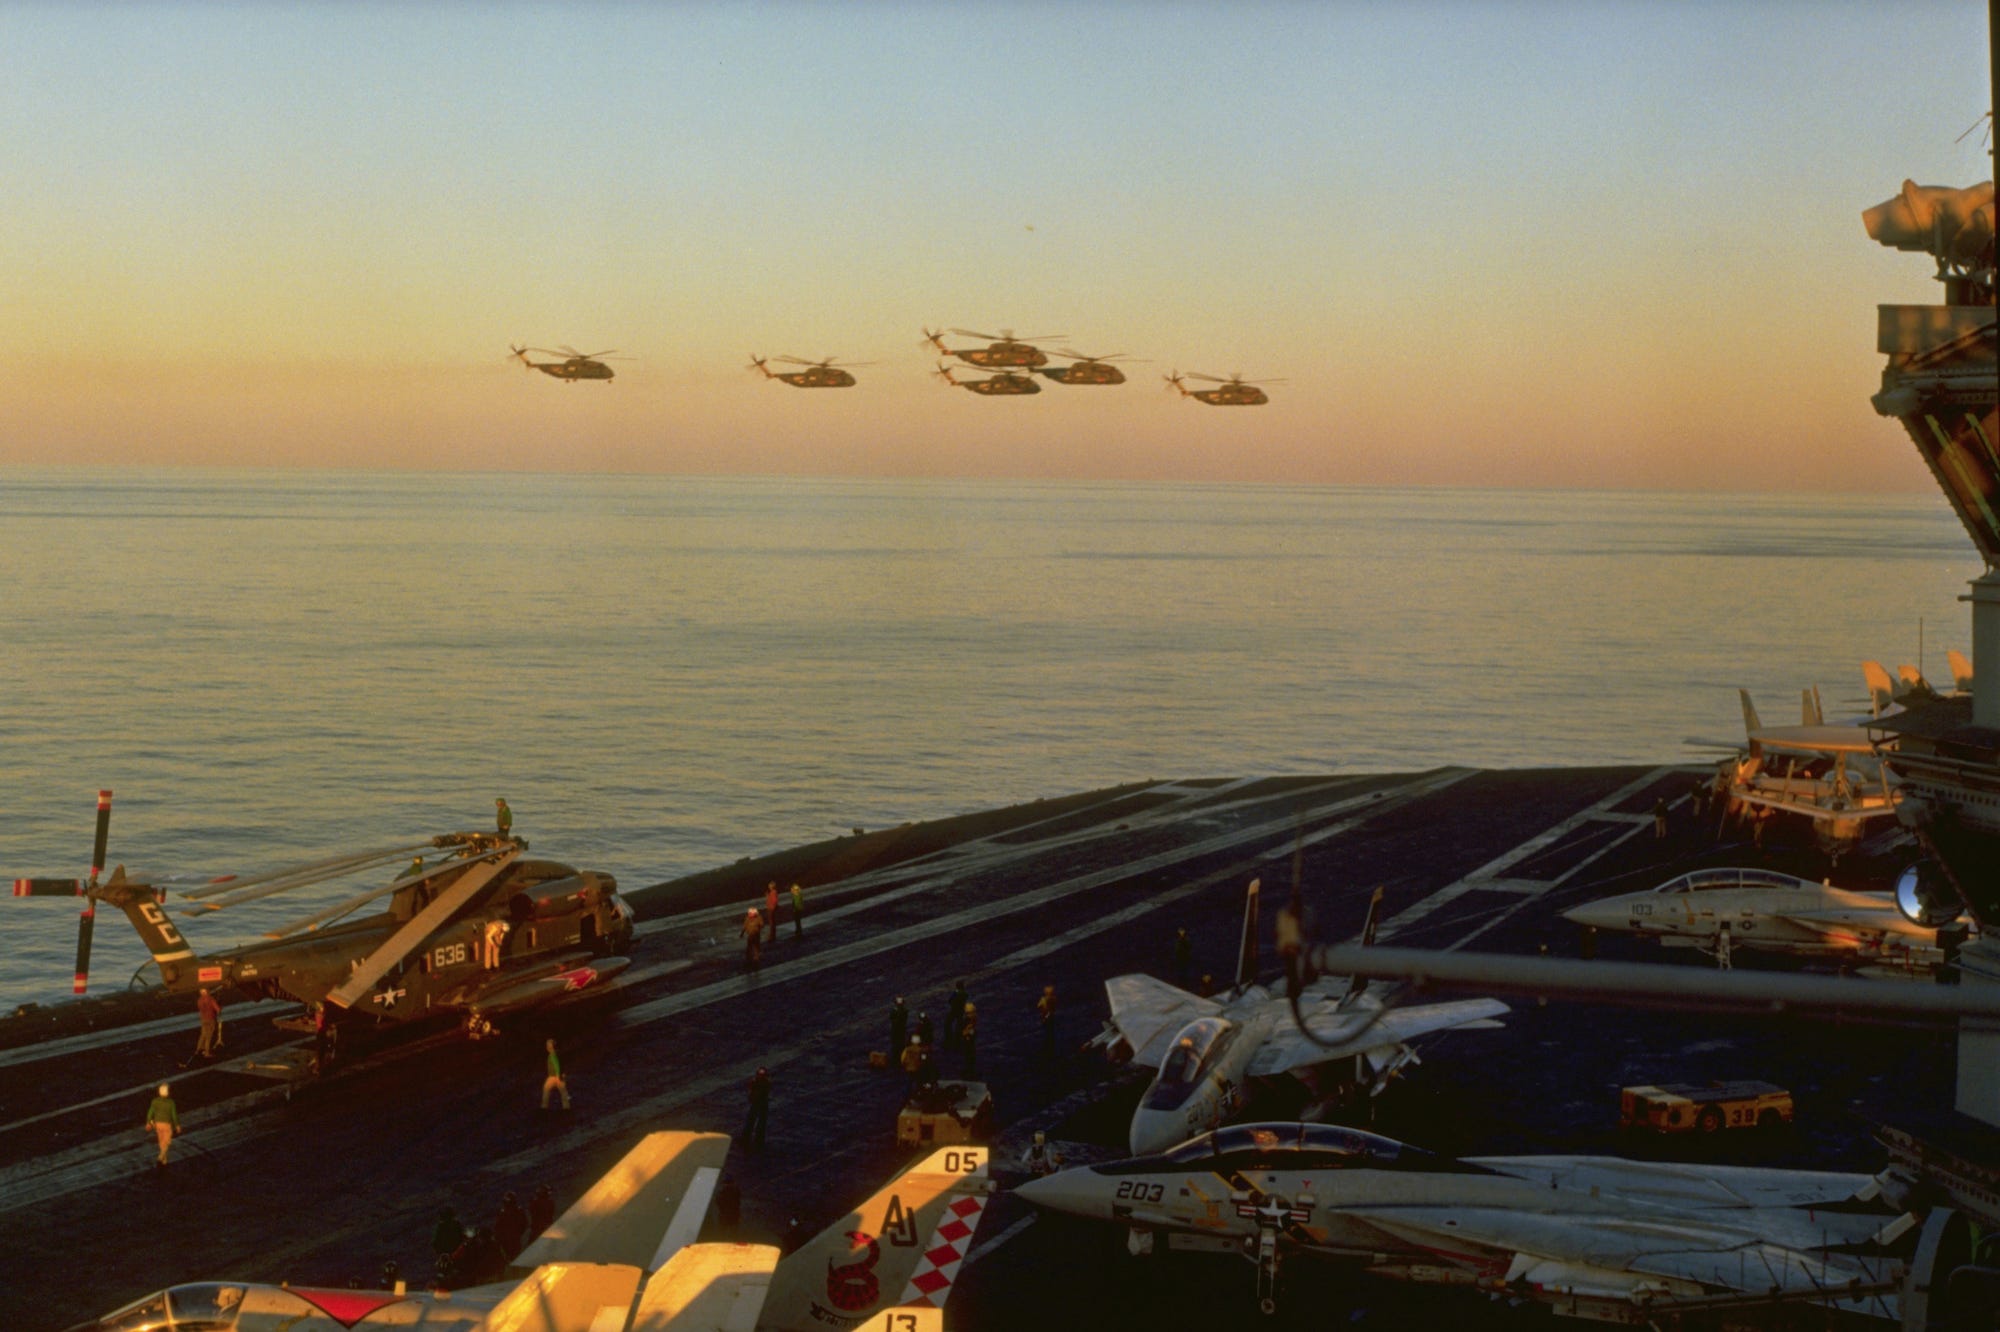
(1492, 869)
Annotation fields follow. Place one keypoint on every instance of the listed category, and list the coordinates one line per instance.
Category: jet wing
(646, 1208)
(1288, 1049)
(708, 1288)
(1634, 1253)
(1149, 1013)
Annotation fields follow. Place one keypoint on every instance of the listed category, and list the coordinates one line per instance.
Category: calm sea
(664, 674)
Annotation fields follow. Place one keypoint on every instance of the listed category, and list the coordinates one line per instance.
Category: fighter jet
(1590, 1237)
(1207, 1050)
(622, 1259)
(1721, 910)
(1830, 775)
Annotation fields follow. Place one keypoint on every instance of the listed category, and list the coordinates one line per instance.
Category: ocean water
(664, 674)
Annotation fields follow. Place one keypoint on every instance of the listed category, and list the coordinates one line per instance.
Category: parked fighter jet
(1721, 910)
(1830, 775)
(623, 1259)
(1207, 1050)
(1591, 1237)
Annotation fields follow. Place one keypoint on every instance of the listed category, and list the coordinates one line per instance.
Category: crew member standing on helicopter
(503, 817)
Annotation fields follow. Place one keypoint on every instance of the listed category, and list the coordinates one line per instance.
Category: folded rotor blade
(332, 867)
(337, 910)
(420, 927)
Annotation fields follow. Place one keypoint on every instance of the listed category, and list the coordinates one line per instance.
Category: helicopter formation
(1012, 361)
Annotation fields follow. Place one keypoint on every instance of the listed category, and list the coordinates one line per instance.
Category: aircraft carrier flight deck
(324, 1181)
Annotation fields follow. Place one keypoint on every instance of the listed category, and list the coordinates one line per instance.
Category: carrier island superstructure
(1942, 381)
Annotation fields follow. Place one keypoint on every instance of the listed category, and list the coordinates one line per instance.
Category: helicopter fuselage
(1004, 355)
(573, 370)
(1084, 372)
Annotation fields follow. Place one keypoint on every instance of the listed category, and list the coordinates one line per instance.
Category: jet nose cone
(1606, 913)
(1075, 1192)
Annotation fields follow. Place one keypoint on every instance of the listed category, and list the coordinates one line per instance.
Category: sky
(1480, 243)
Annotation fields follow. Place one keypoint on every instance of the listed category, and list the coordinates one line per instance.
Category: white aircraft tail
(1246, 956)
(1360, 983)
(899, 1250)
(1881, 689)
(646, 1208)
(1750, 723)
(1961, 671)
(1809, 709)
(1910, 680)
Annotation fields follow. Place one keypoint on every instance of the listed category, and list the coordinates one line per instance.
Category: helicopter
(817, 374)
(1005, 351)
(483, 931)
(1006, 384)
(1087, 370)
(575, 365)
(1236, 391)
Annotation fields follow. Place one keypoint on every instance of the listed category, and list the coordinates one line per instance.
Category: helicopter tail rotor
(757, 363)
(84, 888)
(934, 338)
(944, 372)
(1176, 383)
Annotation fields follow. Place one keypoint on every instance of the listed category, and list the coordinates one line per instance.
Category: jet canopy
(1295, 1147)
(1705, 879)
(1196, 1051)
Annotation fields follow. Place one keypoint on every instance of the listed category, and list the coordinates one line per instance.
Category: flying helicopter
(828, 373)
(1087, 370)
(1236, 391)
(1006, 384)
(481, 932)
(1004, 352)
(575, 365)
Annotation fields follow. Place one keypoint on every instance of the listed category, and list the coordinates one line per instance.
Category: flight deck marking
(1492, 869)
(137, 1031)
(701, 996)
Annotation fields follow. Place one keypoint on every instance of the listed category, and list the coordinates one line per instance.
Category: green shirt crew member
(503, 817)
(554, 1082)
(798, 911)
(163, 1121)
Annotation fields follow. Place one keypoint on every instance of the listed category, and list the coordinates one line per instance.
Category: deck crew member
(211, 1024)
(503, 817)
(554, 1081)
(771, 908)
(954, 1014)
(163, 1121)
(798, 911)
(759, 1118)
(968, 1035)
(899, 1027)
(1046, 1008)
(753, 939)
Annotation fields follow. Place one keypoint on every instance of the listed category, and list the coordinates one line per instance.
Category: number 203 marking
(1140, 1191)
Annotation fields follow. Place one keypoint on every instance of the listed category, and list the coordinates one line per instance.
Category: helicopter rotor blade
(334, 912)
(87, 922)
(310, 872)
(968, 333)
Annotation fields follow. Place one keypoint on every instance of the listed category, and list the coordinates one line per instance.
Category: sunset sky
(1532, 244)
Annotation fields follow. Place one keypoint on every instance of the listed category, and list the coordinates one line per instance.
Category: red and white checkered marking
(931, 1282)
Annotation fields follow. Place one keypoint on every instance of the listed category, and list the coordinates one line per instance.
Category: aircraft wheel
(1267, 1306)
(1709, 1122)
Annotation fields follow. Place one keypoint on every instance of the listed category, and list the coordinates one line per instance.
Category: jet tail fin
(1961, 671)
(1881, 689)
(901, 1248)
(1809, 709)
(1246, 956)
(1360, 983)
(1750, 723)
